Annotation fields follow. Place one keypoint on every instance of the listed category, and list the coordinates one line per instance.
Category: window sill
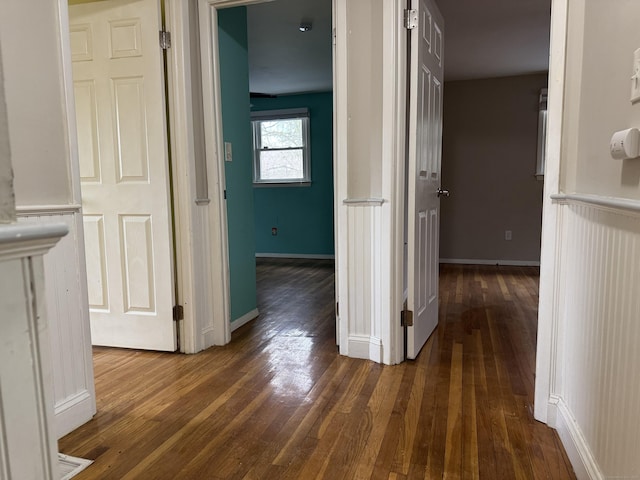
(281, 184)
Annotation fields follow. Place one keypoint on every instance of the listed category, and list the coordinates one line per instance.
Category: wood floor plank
(278, 402)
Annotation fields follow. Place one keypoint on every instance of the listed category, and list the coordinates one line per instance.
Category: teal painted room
(301, 214)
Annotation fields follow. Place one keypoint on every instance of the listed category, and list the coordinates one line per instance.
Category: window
(281, 146)
(542, 134)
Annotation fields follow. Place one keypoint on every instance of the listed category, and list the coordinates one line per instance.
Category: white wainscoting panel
(364, 304)
(27, 444)
(597, 379)
(68, 314)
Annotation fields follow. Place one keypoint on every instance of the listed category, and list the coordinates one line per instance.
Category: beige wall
(488, 165)
(7, 203)
(365, 74)
(600, 76)
(35, 102)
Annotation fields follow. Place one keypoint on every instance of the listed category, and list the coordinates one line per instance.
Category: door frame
(195, 223)
(200, 213)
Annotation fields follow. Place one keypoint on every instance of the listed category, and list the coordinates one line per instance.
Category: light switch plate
(228, 154)
(635, 77)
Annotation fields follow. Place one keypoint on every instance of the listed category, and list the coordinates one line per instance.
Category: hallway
(278, 402)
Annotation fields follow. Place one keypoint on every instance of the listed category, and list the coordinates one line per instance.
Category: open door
(423, 172)
(124, 170)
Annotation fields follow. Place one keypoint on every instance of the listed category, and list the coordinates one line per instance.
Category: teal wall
(303, 215)
(234, 77)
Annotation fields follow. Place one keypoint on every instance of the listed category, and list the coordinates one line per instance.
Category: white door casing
(122, 143)
(425, 147)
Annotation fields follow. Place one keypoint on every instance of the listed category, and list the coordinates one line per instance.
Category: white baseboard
(365, 347)
(244, 319)
(475, 261)
(311, 256)
(578, 451)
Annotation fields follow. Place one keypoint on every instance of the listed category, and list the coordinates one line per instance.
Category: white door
(122, 142)
(423, 182)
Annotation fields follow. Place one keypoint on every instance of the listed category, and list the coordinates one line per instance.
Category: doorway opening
(277, 118)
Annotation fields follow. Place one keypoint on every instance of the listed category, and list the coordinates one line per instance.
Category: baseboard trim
(311, 256)
(365, 347)
(475, 261)
(244, 319)
(73, 412)
(578, 451)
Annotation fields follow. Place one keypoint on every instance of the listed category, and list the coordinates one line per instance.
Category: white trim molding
(41, 210)
(20, 241)
(310, 256)
(28, 448)
(363, 202)
(613, 203)
(244, 319)
(574, 442)
(475, 261)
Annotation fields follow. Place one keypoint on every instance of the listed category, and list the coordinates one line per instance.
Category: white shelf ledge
(20, 240)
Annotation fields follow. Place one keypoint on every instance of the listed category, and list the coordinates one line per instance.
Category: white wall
(47, 187)
(590, 278)
(7, 202)
(35, 103)
(365, 74)
(369, 176)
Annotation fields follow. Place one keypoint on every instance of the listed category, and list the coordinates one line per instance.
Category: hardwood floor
(280, 403)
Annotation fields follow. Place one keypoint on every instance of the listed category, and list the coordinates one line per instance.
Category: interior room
(479, 317)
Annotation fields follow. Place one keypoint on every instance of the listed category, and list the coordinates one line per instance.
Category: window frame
(287, 114)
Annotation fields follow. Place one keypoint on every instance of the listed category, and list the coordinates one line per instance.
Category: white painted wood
(593, 390)
(340, 119)
(296, 255)
(475, 261)
(357, 293)
(578, 451)
(67, 310)
(610, 202)
(363, 311)
(184, 159)
(424, 180)
(548, 310)
(28, 449)
(244, 319)
(119, 93)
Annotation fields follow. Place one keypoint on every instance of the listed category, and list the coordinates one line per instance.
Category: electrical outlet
(274, 231)
(507, 234)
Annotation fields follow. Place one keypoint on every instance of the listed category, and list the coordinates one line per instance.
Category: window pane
(281, 133)
(281, 165)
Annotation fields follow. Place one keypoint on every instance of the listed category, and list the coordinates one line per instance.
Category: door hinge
(337, 309)
(178, 313)
(410, 19)
(225, 194)
(165, 39)
(406, 318)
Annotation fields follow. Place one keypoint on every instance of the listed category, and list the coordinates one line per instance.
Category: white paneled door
(425, 147)
(122, 143)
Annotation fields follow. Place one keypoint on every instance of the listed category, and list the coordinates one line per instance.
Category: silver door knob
(443, 193)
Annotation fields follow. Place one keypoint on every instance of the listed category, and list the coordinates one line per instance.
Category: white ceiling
(483, 39)
(281, 58)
